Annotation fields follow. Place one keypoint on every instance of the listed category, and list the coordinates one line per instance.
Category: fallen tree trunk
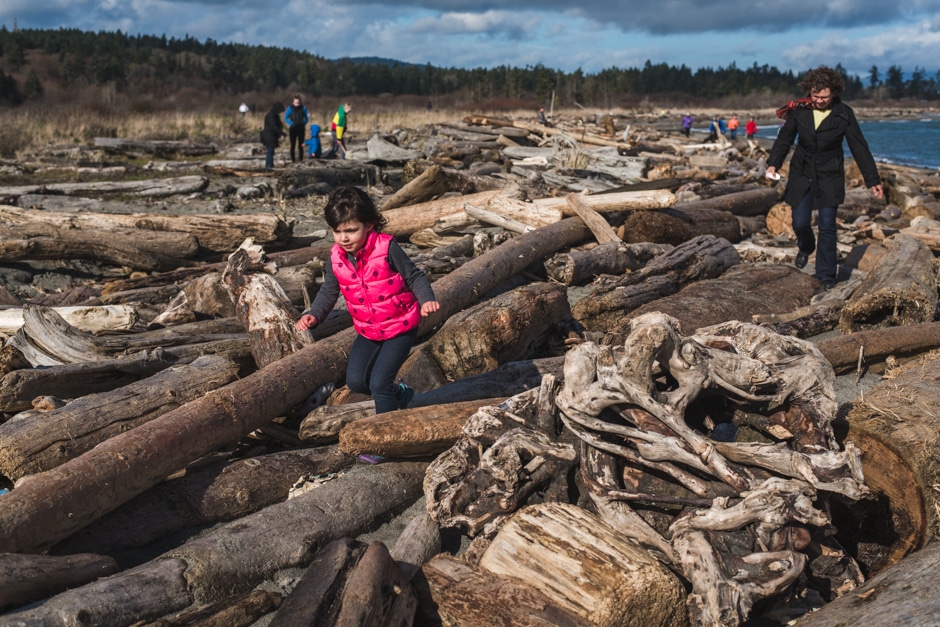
(874, 346)
(581, 266)
(238, 556)
(148, 188)
(404, 221)
(214, 233)
(239, 610)
(134, 461)
(204, 495)
(165, 245)
(701, 258)
(25, 578)
(32, 445)
(751, 202)
(677, 225)
(89, 319)
(47, 248)
(900, 290)
(412, 432)
(161, 148)
(426, 187)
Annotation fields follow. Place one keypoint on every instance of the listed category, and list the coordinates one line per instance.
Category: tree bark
(25, 578)
(240, 610)
(165, 246)
(148, 188)
(750, 202)
(429, 185)
(678, 225)
(92, 319)
(875, 345)
(581, 266)
(418, 543)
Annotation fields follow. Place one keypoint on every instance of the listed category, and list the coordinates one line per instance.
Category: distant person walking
(272, 132)
(297, 117)
(733, 126)
(687, 120)
(750, 129)
(819, 123)
(337, 132)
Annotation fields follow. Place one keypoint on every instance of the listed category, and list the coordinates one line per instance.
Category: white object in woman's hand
(773, 176)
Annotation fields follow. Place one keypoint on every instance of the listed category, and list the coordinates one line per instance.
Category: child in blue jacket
(313, 144)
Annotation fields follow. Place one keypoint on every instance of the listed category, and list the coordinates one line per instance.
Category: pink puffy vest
(378, 299)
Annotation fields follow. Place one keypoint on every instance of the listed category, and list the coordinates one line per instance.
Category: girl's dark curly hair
(823, 78)
(351, 203)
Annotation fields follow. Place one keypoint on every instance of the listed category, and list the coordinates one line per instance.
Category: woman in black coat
(819, 123)
(272, 132)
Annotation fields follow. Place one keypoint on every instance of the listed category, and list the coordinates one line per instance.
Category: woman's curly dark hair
(823, 78)
(351, 203)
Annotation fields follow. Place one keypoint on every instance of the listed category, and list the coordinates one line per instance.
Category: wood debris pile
(624, 414)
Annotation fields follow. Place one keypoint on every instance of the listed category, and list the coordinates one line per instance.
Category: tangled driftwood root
(751, 520)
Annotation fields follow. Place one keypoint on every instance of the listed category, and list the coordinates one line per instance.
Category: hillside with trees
(37, 65)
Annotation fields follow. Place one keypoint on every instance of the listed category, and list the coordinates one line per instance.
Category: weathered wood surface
(459, 593)
(677, 225)
(237, 556)
(37, 443)
(895, 422)
(214, 233)
(875, 345)
(383, 151)
(900, 290)
(425, 187)
(152, 188)
(751, 202)
(417, 431)
(586, 567)
(239, 610)
(205, 494)
(580, 266)
(174, 245)
(161, 148)
(25, 578)
(700, 258)
(262, 306)
(89, 319)
(739, 293)
(418, 543)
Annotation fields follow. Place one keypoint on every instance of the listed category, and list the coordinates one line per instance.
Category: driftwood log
(845, 352)
(149, 188)
(680, 224)
(700, 258)
(25, 578)
(900, 290)
(581, 266)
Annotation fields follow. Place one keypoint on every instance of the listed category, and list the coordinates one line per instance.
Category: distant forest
(151, 67)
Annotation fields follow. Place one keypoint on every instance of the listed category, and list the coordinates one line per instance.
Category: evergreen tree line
(158, 65)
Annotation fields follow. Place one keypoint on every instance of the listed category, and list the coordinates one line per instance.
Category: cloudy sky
(590, 34)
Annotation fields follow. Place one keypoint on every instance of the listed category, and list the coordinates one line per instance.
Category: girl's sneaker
(405, 394)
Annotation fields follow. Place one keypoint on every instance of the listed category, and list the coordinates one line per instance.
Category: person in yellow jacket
(337, 130)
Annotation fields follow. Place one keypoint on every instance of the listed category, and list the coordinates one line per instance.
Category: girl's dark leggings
(373, 366)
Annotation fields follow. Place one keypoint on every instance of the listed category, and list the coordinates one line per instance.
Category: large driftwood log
(738, 294)
(150, 188)
(581, 266)
(262, 305)
(350, 586)
(459, 593)
(896, 424)
(429, 185)
(25, 578)
(844, 351)
(206, 494)
(751, 202)
(680, 224)
(161, 148)
(587, 567)
(148, 454)
(416, 431)
(418, 543)
(34, 444)
(237, 556)
(89, 319)
(214, 233)
(238, 610)
(404, 221)
(701, 258)
(166, 244)
(321, 176)
(113, 252)
(900, 290)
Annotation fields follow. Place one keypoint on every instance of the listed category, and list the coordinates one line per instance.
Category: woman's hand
(427, 308)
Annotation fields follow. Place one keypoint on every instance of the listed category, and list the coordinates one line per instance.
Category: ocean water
(914, 141)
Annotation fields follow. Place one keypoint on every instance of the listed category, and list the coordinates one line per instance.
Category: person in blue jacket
(314, 149)
(297, 118)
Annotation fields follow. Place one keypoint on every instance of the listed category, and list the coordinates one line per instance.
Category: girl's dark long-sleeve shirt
(414, 278)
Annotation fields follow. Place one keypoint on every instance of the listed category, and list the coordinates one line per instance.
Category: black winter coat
(273, 129)
(818, 164)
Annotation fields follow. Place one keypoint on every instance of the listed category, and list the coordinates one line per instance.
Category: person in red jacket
(386, 295)
(750, 129)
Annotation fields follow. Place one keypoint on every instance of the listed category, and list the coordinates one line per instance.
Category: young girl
(386, 294)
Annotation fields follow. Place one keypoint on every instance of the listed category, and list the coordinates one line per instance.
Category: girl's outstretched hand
(306, 321)
(427, 308)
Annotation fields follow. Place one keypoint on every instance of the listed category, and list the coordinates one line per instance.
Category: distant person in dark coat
(297, 117)
(687, 121)
(819, 123)
(541, 119)
(272, 132)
